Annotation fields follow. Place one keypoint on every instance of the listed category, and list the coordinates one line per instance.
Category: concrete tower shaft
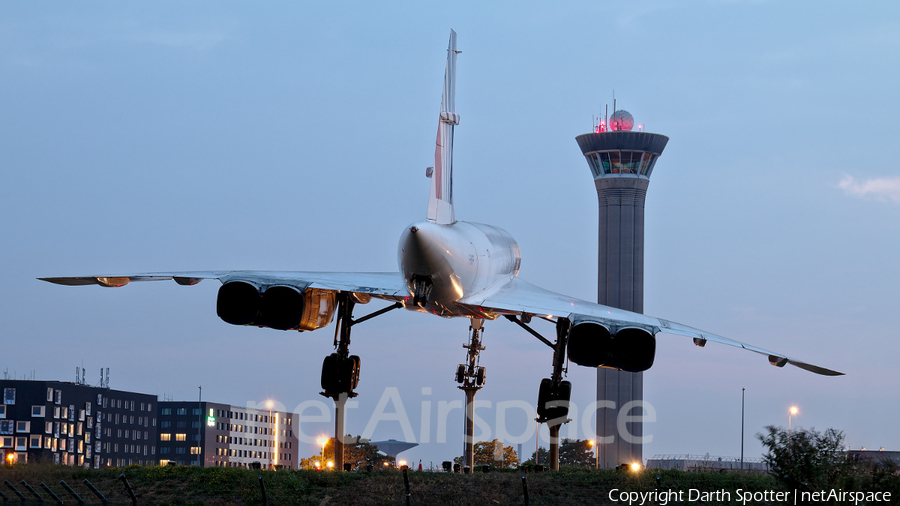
(621, 163)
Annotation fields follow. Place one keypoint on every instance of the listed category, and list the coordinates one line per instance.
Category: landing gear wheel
(479, 377)
(557, 397)
(330, 374)
(460, 373)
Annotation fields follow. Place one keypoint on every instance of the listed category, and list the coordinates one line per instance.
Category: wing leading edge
(521, 297)
(386, 285)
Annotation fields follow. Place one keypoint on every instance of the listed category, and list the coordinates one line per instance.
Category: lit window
(165, 437)
(195, 450)
(180, 437)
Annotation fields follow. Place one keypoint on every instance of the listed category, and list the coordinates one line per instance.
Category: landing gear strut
(340, 370)
(554, 392)
(471, 378)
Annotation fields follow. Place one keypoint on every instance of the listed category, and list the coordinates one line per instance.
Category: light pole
(596, 448)
(322, 441)
(742, 429)
(270, 404)
(791, 413)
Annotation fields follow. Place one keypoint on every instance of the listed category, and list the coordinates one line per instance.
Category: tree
(805, 460)
(576, 453)
(543, 457)
(493, 453)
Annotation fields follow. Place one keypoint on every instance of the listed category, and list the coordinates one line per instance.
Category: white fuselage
(445, 263)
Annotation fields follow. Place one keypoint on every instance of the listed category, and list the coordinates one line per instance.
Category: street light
(592, 444)
(791, 413)
(322, 441)
(270, 405)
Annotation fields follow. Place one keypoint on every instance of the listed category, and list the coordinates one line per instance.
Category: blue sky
(294, 136)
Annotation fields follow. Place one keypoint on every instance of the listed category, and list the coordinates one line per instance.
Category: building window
(23, 426)
(48, 427)
(181, 411)
(180, 437)
(179, 450)
(181, 424)
(165, 437)
(57, 394)
(9, 396)
(20, 443)
(165, 411)
(6, 442)
(195, 450)
(55, 411)
(142, 406)
(165, 424)
(37, 410)
(2, 410)
(196, 412)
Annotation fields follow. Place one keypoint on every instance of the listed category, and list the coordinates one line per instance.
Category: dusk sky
(295, 136)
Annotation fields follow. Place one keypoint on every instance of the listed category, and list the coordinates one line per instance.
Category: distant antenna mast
(107, 378)
(77, 370)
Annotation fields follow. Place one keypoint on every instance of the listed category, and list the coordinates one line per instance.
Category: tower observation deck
(621, 162)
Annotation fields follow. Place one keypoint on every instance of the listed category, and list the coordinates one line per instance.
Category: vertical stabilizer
(440, 201)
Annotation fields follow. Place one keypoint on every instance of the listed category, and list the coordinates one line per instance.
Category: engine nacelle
(591, 344)
(278, 307)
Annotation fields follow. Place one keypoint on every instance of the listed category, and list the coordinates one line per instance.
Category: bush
(806, 460)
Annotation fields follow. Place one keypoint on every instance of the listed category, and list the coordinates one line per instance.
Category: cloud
(886, 188)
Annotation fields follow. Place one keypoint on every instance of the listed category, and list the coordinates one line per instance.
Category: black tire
(479, 377)
(460, 373)
(330, 374)
(560, 396)
(354, 371)
(543, 397)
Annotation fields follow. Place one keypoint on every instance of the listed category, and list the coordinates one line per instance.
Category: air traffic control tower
(621, 162)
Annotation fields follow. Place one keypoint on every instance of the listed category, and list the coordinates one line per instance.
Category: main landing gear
(471, 378)
(554, 392)
(340, 370)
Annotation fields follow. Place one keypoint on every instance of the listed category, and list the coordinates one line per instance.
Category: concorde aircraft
(448, 268)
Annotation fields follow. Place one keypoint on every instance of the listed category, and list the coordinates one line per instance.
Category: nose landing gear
(471, 377)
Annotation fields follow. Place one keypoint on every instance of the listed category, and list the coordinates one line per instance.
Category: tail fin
(440, 201)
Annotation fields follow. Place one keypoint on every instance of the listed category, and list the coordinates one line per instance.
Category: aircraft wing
(385, 285)
(522, 297)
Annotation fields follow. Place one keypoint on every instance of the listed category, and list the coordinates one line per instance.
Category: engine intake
(591, 344)
(278, 307)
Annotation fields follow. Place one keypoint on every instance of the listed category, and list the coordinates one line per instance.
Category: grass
(234, 486)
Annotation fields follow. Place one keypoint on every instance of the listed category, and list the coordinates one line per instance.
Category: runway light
(635, 467)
